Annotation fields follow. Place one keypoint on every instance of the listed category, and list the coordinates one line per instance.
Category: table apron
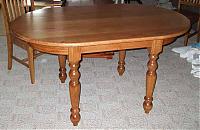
(58, 50)
(64, 50)
(116, 46)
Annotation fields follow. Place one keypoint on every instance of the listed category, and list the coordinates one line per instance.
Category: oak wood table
(73, 31)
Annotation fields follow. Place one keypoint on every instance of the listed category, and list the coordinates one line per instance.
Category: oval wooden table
(73, 31)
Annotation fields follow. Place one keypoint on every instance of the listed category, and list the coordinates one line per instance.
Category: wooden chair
(13, 9)
(192, 16)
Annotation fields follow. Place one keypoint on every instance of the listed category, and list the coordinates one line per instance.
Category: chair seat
(192, 16)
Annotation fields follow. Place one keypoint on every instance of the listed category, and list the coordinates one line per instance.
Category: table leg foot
(121, 63)
(62, 75)
(62, 70)
(147, 105)
(75, 116)
(151, 75)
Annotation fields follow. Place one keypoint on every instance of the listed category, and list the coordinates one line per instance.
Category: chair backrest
(15, 8)
(194, 3)
(12, 9)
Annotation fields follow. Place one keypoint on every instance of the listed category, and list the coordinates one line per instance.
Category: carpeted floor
(107, 100)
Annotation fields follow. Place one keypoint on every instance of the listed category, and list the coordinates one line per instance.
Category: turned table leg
(74, 84)
(151, 75)
(62, 70)
(121, 63)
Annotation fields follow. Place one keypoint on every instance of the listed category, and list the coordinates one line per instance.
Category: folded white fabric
(192, 54)
(182, 50)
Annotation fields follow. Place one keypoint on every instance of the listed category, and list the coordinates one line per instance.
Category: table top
(94, 25)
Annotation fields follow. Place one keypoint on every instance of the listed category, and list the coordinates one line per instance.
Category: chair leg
(35, 54)
(186, 39)
(10, 52)
(198, 31)
(31, 64)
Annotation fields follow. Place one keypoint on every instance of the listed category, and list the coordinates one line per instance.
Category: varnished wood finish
(151, 75)
(62, 64)
(31, 64)
(97, 25)
(74, 84)
(121, 63)
(192, 16)
(194, 3)
(12, 9)
(198, 28)
(107, 55)
(92, 29)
